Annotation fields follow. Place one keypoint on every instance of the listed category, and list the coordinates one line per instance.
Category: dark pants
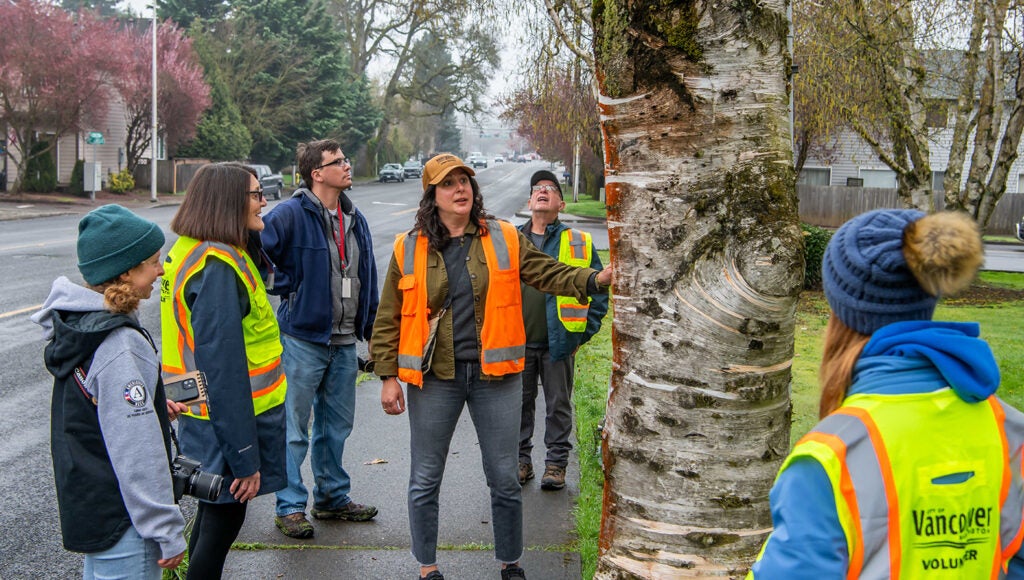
(556, 377)
(215, 529)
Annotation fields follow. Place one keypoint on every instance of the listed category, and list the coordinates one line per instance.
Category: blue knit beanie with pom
(865, 275)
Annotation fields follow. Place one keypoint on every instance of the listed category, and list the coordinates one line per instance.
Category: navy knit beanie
(113, 240)
(865, 275)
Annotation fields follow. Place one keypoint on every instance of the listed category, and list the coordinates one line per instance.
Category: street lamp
(153, 134)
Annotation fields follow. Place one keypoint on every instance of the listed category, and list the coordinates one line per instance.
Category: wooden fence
(831, 206)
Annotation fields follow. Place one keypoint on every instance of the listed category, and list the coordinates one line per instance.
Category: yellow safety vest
(259, 328)
(901, 519)
(575, 249)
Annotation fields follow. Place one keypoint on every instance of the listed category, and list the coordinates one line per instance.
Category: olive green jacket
(535, 268)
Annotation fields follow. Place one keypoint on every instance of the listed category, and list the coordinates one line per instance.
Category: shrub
(815, 240)
(40, 171)
(122, 181)
(77, 186)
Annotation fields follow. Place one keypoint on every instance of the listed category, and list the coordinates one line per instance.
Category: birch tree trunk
(709, 264)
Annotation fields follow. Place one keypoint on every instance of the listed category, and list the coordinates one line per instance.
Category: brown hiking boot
(553, 478)
(294, 526)
(525, 472)
(352, 512)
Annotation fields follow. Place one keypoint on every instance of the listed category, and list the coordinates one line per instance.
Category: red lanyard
(341, 239)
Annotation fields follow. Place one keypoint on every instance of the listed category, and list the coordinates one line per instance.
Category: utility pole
(153, 134)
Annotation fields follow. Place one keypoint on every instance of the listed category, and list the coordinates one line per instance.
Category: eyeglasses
(341, 161)
(256, 195)
(543, 187)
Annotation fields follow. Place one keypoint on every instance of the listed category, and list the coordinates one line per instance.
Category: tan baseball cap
(441, 165)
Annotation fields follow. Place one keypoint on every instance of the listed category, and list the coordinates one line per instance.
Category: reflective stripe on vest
(259, 328)
(575, 249)
(502, 337)
(908, 505)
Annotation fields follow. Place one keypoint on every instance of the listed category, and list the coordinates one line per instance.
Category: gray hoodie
(131, 433)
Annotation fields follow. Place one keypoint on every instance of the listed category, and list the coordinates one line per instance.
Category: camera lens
(205, 485)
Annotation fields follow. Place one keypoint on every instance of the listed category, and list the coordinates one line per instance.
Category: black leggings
(215, 529)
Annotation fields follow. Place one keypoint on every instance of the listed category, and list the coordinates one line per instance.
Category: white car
(477, 159)
(499, 159)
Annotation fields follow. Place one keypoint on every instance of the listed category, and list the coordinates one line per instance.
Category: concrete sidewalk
(377, 459)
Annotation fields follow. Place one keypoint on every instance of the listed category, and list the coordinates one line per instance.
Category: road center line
(21, 311)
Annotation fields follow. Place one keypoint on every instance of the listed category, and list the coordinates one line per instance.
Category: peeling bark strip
(709, 263)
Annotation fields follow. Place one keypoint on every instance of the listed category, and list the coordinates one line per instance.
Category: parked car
(391, 172)
(499, 159)
(272, 183)
(1020, 229)
(412, 169)
(477, 159)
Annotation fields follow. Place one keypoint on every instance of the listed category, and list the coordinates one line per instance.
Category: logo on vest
(135, 394)
(956, 531)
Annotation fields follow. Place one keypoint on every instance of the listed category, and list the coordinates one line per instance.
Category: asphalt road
(33, 253)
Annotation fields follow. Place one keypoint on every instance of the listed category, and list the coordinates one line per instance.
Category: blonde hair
(843, 346)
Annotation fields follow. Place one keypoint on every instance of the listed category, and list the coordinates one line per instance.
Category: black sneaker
(435, 575)
(352, 512)
(513, 572)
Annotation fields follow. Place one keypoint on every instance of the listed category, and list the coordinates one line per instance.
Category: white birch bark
(708, 257)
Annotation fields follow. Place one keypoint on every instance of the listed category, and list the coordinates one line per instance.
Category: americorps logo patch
(135, 394)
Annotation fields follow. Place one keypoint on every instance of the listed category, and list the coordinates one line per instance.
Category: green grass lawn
(586, 207)
(992, 302)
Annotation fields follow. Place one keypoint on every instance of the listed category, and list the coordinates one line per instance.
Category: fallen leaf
(375, 461)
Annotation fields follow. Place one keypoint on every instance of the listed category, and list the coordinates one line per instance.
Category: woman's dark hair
(429, 222)
(216, 205)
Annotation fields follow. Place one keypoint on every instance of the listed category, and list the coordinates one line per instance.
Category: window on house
(815, 176)
(1020, 183)
(885, 178)
(937, 177)
(935, 113)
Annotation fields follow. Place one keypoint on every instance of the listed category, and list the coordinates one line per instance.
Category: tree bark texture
(708, 256)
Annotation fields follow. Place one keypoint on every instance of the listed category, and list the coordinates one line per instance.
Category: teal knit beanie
(113, 240)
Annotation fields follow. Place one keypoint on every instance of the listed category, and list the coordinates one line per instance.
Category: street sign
(94, 138)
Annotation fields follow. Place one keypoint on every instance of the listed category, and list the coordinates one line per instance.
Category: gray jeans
(434, 410)
(556, 378)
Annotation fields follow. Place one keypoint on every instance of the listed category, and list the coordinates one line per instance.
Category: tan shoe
(525, 472)
(553, 478)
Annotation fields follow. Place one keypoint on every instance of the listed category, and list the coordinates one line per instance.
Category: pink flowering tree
(182, 96)
(55, 74)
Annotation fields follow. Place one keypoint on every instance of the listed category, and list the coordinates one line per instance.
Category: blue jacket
(235, 442)
(298, 241)
(561, 342)
(901, 358)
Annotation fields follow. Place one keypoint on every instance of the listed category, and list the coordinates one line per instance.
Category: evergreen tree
(221, 134)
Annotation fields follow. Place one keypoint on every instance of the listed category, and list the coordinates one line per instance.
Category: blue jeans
(321, 378)
(434, 411)
(130, 558)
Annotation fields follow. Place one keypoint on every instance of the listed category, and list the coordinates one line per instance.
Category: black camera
(189, 480)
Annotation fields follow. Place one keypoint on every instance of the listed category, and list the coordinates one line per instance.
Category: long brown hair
(429, 221)
(843, 346)
(216, 205)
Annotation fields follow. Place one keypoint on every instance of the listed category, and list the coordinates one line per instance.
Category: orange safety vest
(502, 337)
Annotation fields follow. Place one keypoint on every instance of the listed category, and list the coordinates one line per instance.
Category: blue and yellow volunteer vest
(262, 338)
(948, 505)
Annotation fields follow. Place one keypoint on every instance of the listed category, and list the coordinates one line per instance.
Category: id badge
(346, 287)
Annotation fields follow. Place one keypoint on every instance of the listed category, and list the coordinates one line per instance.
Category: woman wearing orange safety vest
(216, 319)
(459, 271)
(915, 469)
